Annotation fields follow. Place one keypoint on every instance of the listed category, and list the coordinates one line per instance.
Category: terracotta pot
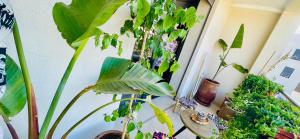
(226, 112)
(207, 92)
(284, 135)
(111, 134)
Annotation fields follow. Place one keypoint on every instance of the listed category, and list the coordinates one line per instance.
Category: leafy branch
(237, 43)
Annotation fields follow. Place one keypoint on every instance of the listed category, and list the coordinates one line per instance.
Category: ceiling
(271, 5)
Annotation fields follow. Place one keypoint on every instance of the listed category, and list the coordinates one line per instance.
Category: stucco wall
(47, 56)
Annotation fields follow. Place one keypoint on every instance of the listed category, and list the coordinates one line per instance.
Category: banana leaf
(117, 77)
(14, 98)
(79, 20)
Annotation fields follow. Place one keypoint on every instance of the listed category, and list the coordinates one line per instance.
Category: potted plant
(261, 115)
(78, 22)
(156, 26)
(207, 90)
(236, 99)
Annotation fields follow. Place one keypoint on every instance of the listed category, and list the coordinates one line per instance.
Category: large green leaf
(223, 44)
(14, 98)
(163, 118)
(79, 20)
(240, 68)
(117, 78)
(143, 8)
(238, 40)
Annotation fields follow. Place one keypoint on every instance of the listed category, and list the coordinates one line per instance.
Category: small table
(201, 131)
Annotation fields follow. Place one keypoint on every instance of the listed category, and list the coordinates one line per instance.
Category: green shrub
(259, 113)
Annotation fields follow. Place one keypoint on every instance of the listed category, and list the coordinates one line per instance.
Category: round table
(201, 131)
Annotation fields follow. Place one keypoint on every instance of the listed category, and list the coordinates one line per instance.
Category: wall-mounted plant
(207, 91)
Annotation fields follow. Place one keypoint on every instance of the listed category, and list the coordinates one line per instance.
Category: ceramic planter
(111, 134)
(226, 112)
(207, 92)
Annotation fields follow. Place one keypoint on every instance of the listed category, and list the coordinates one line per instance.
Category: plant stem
(93, 112)
(126, 121)
(220, 66)
(60, 89)
(11, 129)
(66, 109)
(144, 44)
(33, 129)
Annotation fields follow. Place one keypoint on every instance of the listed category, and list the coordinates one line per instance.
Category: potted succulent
(261, 115)
(207, 90)
(151, 23)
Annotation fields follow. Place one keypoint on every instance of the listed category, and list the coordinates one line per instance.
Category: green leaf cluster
(237, 43)
(108, 40)
(259, 113)
(158, 19)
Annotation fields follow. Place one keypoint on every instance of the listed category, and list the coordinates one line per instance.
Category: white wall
(47, 56)
(258, 25)
(223, 23)
(282, 40)
(215, 24)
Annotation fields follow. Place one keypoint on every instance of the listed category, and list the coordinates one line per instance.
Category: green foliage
(143, 8)
(14, 98)
(260, 84)
(240, 68)
(175, 66)
(163, 67)
(139, 135)
(190, 18)
(117, 78)
(159, 18)
(163, 118)
(130, 127)
(238, 40)
(223, 44)
(259, 112)
(237, 43)
(79, 20)
(107, 118)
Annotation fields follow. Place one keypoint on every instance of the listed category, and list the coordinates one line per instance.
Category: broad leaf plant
(153, 24)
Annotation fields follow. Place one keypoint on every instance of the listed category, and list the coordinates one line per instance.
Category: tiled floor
(151, 124)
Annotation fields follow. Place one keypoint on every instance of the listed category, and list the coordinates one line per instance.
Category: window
(296, 55)
(287, 72)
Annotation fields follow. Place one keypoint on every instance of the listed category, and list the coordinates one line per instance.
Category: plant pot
(111, 134)
(226, 112)
(284, 135)
(207, 92)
